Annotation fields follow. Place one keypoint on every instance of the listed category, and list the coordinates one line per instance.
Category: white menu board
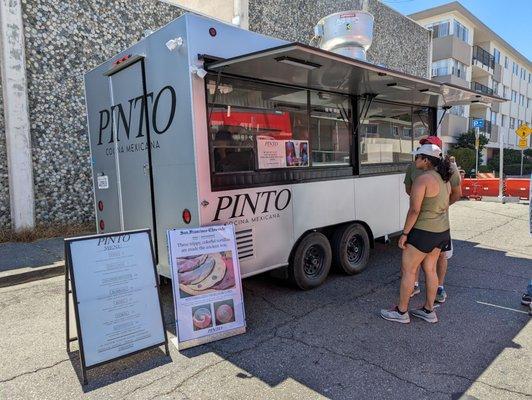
(115, 287)
(282, 153)
(206, 283)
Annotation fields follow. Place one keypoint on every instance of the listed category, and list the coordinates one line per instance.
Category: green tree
(465, 158)
(467, 140)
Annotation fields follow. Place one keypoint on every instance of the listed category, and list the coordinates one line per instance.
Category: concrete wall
(398, 42)
(64, 39)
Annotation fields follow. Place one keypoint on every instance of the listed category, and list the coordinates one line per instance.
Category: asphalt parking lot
(326, 343)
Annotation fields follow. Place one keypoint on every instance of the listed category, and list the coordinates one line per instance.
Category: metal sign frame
(70, 290)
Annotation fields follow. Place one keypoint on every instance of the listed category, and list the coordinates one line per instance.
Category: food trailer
(302, 149)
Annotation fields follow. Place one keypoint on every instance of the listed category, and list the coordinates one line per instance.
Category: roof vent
(348, 33)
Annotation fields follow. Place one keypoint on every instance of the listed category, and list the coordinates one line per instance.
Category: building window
(441, 68)
(506, 92)
(515, 68)
(439, 29)
(506, 62)
(512, 123)
(497, 55)
(387, 134)
(493, 118)
(530, 77)
(523, 74)
(460, 31)
(495, 86)
(457, 110)
(522, 100)
(503, 120)
(449, 66)
(528, 102)
(459, 69)
(519, 123)
(514, 96)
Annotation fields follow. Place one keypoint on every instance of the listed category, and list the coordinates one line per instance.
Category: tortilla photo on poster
(202, 317)
(206, 273)
(224, 311)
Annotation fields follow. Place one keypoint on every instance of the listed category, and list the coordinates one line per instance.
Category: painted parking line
(504, 308)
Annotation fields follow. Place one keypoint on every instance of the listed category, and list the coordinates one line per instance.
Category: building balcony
(451, 79)
(479, 87)
(487, 126)
(482, 60)
(451, 47)
(453, 125)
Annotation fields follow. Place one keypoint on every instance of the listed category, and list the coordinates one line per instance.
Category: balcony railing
(483, 56)
(486, 129)
(479, 87)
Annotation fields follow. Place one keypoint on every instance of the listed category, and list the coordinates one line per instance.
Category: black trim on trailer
(150, 164)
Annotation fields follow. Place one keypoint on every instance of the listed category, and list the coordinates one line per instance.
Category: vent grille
(245, 244)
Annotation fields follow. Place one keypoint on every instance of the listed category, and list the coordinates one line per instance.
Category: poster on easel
(111, 281)
(207, 285)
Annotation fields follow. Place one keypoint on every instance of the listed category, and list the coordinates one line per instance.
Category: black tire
(311, 261)
(351, 247)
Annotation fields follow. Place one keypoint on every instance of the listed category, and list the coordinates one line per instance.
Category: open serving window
(291, 113)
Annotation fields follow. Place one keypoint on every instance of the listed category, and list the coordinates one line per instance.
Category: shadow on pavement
(333, 341)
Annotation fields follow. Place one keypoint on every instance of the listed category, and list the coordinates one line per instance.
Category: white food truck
(302, 149)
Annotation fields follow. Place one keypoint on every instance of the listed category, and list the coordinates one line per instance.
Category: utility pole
(477, 139)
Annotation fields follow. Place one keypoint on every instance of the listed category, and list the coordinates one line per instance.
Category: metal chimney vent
(348, 33)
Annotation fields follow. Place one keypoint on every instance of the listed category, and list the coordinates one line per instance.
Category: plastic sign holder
(111, 285)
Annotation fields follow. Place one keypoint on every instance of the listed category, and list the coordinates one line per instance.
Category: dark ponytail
(442, 166)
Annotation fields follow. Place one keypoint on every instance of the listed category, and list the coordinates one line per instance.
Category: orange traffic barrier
(518, 187)
(471, 188)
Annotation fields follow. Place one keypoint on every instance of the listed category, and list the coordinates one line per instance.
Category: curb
(25, 275)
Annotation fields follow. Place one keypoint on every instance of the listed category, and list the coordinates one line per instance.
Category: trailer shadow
(332, 341)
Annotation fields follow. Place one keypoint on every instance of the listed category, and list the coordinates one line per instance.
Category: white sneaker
(395, 316)
(429, 317)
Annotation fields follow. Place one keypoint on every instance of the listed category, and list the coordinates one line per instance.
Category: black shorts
(426, 241)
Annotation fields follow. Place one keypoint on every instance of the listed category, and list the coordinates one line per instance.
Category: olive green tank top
(434, 214)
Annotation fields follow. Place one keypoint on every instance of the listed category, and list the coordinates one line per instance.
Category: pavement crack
(454, 375)
(361, 359)
(34, 371)
(145, 385)
(180, 384)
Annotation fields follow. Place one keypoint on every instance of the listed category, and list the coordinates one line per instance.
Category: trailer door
(131, 136)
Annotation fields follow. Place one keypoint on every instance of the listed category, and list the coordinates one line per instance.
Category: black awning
(310, 67)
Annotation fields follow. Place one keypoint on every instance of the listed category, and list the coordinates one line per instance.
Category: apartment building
(468, 53)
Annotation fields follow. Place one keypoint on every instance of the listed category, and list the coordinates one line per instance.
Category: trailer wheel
(311, 262)
(351, 248)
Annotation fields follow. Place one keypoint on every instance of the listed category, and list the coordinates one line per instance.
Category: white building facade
(468, 53)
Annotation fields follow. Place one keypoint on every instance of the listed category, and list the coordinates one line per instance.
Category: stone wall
(398, 42)
(64, 39)
(5, 218)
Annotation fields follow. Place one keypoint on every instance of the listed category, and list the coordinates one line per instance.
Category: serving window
(388, 135)
(278, 133)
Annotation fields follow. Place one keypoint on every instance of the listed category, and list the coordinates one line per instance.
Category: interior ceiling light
(298, 63)
(398, 87)
(430, 92)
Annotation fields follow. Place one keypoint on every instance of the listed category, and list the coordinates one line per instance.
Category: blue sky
(510, 19)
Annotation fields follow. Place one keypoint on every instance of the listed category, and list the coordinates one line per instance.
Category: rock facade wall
(398, 42)
(64, 39)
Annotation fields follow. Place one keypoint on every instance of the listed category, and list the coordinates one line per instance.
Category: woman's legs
(411, 259)
(431, 277)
